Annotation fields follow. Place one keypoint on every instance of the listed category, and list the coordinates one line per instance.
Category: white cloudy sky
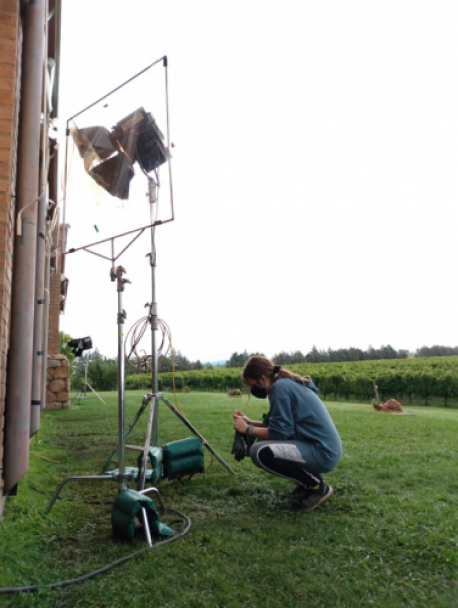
(314, 172)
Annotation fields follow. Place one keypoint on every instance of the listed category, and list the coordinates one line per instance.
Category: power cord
(104, 569)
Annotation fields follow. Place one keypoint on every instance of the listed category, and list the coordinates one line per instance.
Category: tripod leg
(149, 428)
(196, 432)
(96, 394)
(126, 434)
(146, 527)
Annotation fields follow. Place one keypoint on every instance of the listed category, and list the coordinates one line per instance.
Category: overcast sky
(314, 168)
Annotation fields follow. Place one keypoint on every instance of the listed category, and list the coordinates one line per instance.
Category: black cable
(89, 501)
(94, 573)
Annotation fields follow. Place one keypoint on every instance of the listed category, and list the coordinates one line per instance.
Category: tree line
(340, 354)
(414, 379)
(103, 372)
(346, 354)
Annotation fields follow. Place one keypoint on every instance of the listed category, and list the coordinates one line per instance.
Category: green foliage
(408, 380)
(411, 379)
(102, 373)
(436, 351)
(239, 359)
(341, 354)
(63, 348)
(387, 538)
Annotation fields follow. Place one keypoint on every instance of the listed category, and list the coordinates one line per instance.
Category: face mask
(258, 392)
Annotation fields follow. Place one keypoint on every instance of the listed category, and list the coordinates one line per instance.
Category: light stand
(120, 477)
(154, 398)
(117, 274)
(82, 393)
(107, 179)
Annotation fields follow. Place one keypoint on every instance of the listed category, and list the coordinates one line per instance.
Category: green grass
(388, 538)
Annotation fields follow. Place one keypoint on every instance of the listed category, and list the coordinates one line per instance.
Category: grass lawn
(388, 538)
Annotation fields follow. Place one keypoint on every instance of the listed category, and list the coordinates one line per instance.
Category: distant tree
(355, 354)
(102, 372)
(436, 351)
(180, 363)
(282, 358)
(239, 359)
(316, 356)
(297, 357)
(165, 364)
(63, 348)
(388, 352)
(369, 353)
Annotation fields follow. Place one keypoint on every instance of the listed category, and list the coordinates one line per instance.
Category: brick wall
(10, 79)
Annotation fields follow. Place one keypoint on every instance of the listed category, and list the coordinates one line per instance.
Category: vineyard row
(425, 379)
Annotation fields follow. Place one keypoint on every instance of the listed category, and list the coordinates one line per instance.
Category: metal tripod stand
(82, 393)
(116, 274)
(120, 476)
(154, 398)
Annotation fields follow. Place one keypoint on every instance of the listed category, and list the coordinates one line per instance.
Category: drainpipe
(20, 356)
(39, 353)
(47, 293)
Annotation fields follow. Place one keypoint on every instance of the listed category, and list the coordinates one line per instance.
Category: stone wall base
(57, 382)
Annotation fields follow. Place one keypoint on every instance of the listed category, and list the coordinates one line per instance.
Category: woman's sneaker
(314, 498)
(298, 491)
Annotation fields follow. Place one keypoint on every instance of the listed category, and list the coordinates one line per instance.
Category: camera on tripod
(79, 345)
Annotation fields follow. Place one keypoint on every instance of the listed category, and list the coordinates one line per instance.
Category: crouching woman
(300, 441)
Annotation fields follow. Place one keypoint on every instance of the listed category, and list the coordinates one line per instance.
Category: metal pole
(86, 367)
(145, 402)
(152, 424)
(95, 393)
(117, 275)
(46, 313)
(146, 527)
(39, 354)
(152, 195)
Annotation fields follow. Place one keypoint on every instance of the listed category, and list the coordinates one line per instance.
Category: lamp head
(79, 345)
(109, 156)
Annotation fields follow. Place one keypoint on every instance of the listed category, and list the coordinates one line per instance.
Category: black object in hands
(239, 447)
(242, 445)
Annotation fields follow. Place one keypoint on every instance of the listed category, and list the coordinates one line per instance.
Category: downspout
(47, 294)
(39, 355)
(20, 357)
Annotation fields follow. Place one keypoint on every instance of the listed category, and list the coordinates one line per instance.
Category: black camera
(79, 345)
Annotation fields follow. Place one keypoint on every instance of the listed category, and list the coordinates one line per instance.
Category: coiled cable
(104, 569)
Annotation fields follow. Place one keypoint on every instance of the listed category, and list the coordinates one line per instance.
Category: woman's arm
(241, 426)
(260, 432)
(238, 414)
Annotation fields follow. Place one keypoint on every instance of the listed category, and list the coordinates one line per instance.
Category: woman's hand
(238, 414)
(240, 424)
